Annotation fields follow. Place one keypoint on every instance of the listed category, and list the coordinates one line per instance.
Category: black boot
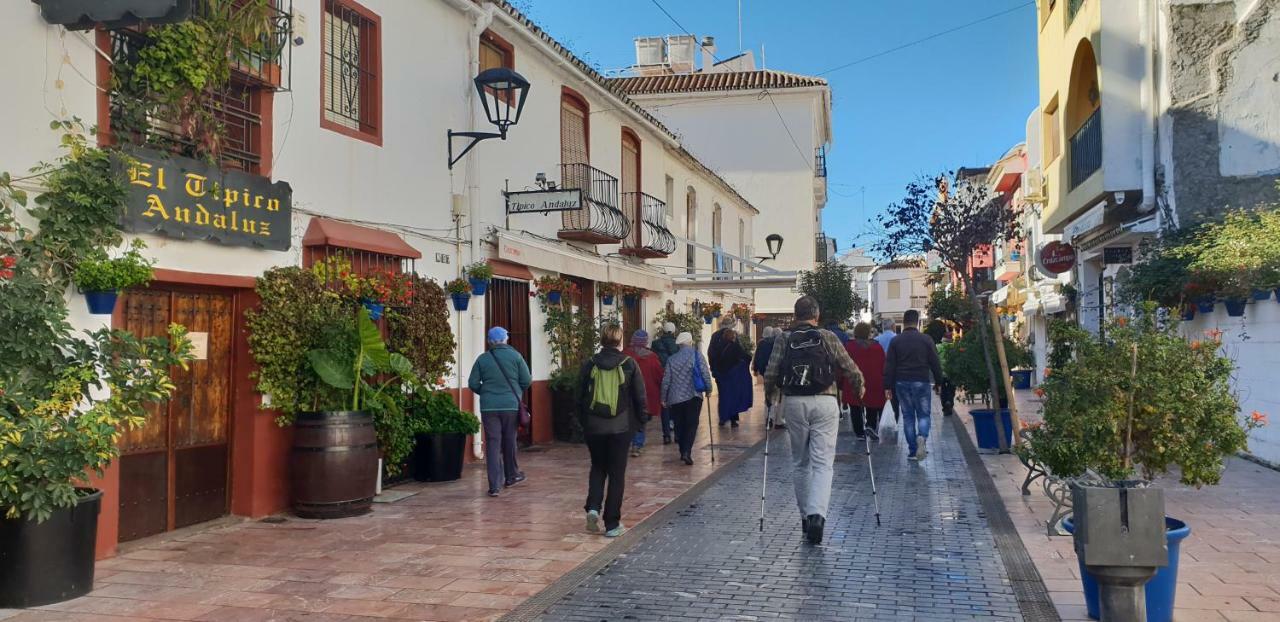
(816, 524)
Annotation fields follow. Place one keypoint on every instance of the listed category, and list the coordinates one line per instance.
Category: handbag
(699, 383)
(526, 417)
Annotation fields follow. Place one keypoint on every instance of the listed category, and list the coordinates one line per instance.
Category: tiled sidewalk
(447, 553)
(1230, 565)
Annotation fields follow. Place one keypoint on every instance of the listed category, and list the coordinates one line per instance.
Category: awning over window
(326, 232)
(1008, 276)
(563, 258)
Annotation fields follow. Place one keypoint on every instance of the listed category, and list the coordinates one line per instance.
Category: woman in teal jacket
(499, 378)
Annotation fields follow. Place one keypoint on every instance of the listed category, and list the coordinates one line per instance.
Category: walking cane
(764, 481)
(711, 432)
(870, 471)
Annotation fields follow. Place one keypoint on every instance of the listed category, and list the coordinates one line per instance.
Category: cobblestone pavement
(447, 553)
(934, 558)
(1230, 565)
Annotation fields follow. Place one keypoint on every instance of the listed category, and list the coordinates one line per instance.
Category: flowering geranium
(740, 310)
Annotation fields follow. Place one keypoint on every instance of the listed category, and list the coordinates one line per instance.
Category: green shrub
(964, 365)
(104, 274)
(434, 412)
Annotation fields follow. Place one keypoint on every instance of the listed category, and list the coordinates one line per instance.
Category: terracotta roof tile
(715, 81)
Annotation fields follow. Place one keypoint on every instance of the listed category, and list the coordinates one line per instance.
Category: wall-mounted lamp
(774, 242)
(502, 93)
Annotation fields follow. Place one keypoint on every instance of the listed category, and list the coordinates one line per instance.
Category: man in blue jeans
(911, 358)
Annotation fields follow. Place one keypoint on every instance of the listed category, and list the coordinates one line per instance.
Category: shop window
(350, 70)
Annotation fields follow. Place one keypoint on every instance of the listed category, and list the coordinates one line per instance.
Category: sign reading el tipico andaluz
(180, 197)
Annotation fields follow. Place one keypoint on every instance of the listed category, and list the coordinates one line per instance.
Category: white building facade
(898, 287)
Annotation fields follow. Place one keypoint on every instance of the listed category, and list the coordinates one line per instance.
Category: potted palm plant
(101, 278)
(1141, 402)
(440, 431)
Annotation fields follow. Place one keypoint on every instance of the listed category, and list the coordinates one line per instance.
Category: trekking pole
(764, 481)
(872, 472)
(711, 429)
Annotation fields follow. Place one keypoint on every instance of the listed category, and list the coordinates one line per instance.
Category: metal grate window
(350, 67)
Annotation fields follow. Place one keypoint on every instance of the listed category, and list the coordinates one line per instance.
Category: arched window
(691, 228)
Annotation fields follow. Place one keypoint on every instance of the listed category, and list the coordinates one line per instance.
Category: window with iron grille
(243, 142)
(351, 62)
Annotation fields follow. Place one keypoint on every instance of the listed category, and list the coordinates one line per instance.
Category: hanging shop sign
(543, 201)
(1055, 258)
(180, 197)
(1117, 255)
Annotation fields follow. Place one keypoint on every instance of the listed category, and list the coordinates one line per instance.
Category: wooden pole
(1008, 382)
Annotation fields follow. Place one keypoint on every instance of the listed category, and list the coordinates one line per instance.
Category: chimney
(708, 53)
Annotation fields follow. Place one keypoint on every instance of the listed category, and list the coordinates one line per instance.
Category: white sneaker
(921, 452)
(593, 521)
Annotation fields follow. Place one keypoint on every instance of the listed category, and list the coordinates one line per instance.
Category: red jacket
(870, 359)
(651, 370)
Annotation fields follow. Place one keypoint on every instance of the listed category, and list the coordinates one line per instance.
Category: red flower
(9, 261)
(1258, 418)
(1039, 392)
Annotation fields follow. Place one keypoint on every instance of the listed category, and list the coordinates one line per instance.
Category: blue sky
(961, 99)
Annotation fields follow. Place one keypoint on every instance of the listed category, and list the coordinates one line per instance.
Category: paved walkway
(933, 558)
(446, 553)
(1230, 565)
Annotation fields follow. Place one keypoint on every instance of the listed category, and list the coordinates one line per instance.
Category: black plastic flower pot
(52, 561)
(438, 457)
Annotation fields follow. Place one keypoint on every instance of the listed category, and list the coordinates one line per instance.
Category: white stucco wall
(404, 185)
(1121, 68)
(1248, 113)
(913, 292)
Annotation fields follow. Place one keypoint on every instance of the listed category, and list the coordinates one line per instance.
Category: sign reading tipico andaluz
(180, 197)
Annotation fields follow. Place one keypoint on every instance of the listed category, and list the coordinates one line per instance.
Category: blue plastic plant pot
(461, 301)
(984, 424)
(478, 286)
(1161, 589)
(631, 301)
(1235, 306)
(375, 309)
(716, 314)
(101, 303)
(607, 299)
(707, 319)
(1261, 294)
(1021, 378)
(1205, 304)
(553, 297)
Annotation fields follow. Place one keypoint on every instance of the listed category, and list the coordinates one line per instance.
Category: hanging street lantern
(502, 93)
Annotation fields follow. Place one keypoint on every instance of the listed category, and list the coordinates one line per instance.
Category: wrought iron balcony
(599, 221)
(650, 237)
(820, 162)
(1086, 149)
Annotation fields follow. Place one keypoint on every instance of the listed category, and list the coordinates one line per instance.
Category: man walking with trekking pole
(805, 364)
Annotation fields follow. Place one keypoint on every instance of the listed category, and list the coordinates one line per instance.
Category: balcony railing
(650, 237)
(1086, 150)
(820, 162)
(824, 248)
(599, 221)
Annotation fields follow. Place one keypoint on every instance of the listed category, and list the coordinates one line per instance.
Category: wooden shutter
(573, 132)
(630, 164)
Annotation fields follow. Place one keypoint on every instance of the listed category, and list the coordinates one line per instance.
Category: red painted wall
(109, 516)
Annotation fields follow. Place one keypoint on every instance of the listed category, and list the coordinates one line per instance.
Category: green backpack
(606, 384)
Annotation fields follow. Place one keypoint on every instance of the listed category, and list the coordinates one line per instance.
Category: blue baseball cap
(497, 333)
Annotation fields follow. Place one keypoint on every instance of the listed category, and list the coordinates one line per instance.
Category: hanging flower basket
(607, 299)
(375, 308)
(478, 286)
(1235, 306)
(1188, 313)
(553, 297)
(460, 291)
(101, 303)
(1205, 304)
(461, 301)
(478, 275)
(707, 319)
(1261, 294)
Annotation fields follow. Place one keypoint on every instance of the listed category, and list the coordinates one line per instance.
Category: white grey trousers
(812, 423)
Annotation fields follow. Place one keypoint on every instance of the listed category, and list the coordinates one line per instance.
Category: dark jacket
(632, 401)
(725, 352)
(486, 381)
(761, 361)
(911, 357)
(839, 332)
(664, 346)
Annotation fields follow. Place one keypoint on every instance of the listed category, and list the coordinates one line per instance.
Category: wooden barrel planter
(334, 464)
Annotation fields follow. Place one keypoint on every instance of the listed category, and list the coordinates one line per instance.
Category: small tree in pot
(1141, 402)
(956, 219)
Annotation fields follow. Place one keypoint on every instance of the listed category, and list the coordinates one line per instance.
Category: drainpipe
(1147, 102)
(481, 19)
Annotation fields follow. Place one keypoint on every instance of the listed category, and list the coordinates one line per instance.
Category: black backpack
(806, 367)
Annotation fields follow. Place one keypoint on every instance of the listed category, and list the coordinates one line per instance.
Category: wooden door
(631, 321)
(507, 305)
(174, 468)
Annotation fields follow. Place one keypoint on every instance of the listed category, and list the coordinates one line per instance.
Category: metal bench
(1057, 489)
